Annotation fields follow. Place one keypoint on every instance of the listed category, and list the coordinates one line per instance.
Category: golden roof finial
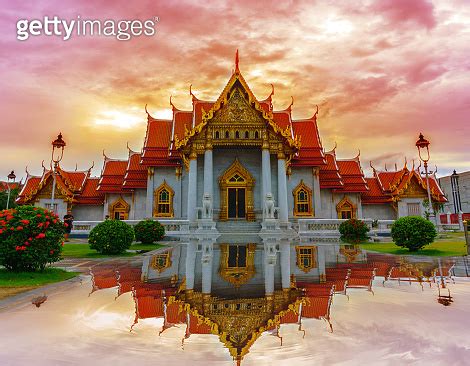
(237, 60)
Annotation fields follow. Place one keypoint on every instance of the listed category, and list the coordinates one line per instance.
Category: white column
(285, 264)
(316, 193)
(206, 268)
(190, 264)
(208, 171)
(266, 171)
(282, 189)
(270, 258)
(359, 206)
(268, 278)
(321, 261)
(192, 188)
(149, 200)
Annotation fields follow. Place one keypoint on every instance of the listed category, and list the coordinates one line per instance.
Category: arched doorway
(236, 193)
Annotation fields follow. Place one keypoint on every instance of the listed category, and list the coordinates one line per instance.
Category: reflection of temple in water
(241, 291)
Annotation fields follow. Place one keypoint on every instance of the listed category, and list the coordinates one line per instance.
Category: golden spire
(237, 60)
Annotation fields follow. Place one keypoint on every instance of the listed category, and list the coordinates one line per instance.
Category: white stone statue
(207, 206)
(270, 249)
(269, 206)
(206, 253)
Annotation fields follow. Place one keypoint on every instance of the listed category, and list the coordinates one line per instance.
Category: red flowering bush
(353, 231)
(30, 238)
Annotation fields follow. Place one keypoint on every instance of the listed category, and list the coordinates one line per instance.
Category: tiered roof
(388, 186)
(112, 175)
(136, 173)
(75, 186)
(343, 175)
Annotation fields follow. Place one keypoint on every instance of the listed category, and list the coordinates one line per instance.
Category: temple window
(306, 258)
(302, 200)
(237, 134)
(217, 134)
(161, 261)
(414, 209)
(163, 201)
(119, 210)
(346, 209)
(237, 263)
(256, 135)
(236, 256)
(247, 135)
(227, 135)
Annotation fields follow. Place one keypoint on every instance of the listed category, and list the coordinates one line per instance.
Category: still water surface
(398, 322)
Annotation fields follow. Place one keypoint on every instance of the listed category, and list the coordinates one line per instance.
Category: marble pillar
(190, 264)
(285, 264)
(282, 189)
(192, 187)
(266, 173)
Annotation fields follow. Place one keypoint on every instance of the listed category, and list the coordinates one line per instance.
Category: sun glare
(118, 119)
(337, 26)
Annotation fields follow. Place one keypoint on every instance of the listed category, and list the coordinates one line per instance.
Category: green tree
(4, 197)
(413, 232)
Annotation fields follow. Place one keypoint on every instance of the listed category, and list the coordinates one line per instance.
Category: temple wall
(379, 212)
(61, 205)
(223, 158)
(111, 198)
(298, 174)
(137, 211)
(403, 206)
(88, 212)
(330, 200)
(168, 175)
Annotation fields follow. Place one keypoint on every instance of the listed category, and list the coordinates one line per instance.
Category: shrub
(149, 231)
(353, 231)
(111, 237)
(413, 232)
(30, 238)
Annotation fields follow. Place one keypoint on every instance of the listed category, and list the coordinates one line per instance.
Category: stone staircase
(239, 227)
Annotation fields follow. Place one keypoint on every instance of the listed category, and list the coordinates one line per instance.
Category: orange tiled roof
(352, 176)
(157, 141)
(311, 150)
(112, 176)
(329, 173)
(375, 195)
(136, 174)
(29, 187)
(4, 185)
(89, 194)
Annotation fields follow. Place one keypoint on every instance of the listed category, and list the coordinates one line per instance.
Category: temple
(233, 159)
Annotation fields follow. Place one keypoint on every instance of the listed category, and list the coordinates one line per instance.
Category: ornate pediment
(237, 112)
(237, 119)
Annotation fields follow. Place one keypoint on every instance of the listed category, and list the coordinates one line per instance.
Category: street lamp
(11, 179)
(423, 145)
(454, 182)
(57, 153)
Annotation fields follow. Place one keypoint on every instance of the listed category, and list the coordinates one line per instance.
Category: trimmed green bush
(30, 238)
(413, 232)
(353, 231)
(111, 237)
(149, 231)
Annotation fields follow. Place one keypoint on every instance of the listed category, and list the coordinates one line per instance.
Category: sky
(381, 72)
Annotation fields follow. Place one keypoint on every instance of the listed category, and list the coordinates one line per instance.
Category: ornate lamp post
(57, 154)
(423, 145)
(11, 179)
(454, 182)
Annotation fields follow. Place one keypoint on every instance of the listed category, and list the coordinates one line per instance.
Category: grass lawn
(75, 250)
(447, 245)
(12, 283)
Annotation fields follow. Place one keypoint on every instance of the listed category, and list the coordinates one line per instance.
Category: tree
(413, 232)
(4, 197)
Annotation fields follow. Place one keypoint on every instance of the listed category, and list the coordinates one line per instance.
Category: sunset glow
(381, 72)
